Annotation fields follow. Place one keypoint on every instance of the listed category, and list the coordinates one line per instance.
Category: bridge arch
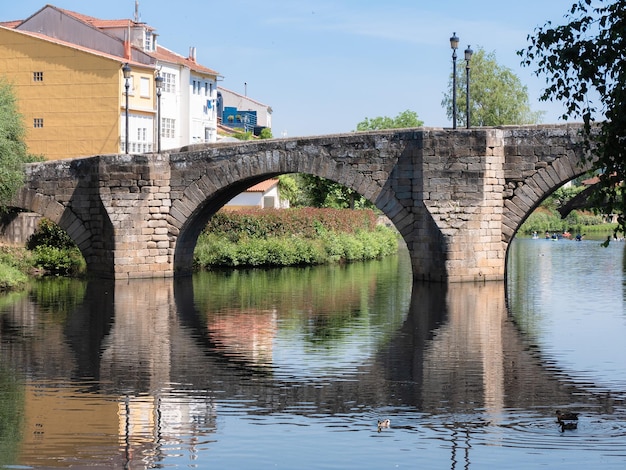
(558, 159)
(84, 218)
(219, 181)
(457, 196)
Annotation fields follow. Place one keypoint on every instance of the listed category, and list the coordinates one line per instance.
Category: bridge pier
(456, 196)
(458, 193)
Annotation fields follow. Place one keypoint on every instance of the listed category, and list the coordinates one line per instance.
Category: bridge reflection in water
(138, 366)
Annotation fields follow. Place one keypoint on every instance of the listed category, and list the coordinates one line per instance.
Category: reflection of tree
(11, 414)
(58, 296)
(322, 303)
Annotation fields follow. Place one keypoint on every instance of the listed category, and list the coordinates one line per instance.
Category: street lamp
(126, 71)
(454, 44)
(468, 56)
(158, 81)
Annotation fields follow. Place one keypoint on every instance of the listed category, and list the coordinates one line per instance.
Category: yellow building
(72, 98)
(67, 71)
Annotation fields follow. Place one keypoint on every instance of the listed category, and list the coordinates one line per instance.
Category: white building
(264, 195)
(188, 99)
(189, 92)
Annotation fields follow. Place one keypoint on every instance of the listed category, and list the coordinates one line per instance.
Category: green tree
(243, 135)
(585, 68)
(289, 189)
(266, 133)
(403, 120)
(13, 152)
(497, 96)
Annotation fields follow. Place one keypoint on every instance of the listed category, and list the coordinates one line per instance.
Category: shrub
(50, 234)
(54, 251)
(11, 277)
(304, 222)
(59, 261)
(292, 238)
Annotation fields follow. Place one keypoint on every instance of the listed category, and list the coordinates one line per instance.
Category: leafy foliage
(266, 133)
(322, 192)
(292, 237)
(11, 277)
(585, 68)
(50, 234)
(58, 261)
(497, 96)
(403, 120)
(54, 251)
(12, 147)
(303, 222)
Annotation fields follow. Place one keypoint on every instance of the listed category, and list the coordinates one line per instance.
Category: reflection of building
(151, 424)
(67, 73)
(247, 335)
(264, 195)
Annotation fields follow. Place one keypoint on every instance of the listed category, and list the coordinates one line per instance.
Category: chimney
(127, 46)
(192, 54)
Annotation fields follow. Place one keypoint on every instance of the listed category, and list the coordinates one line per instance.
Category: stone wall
(538, 160)
(456, 196)
(16, 227)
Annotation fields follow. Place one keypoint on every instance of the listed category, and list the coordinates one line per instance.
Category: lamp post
(158, 81)
(126, 71)
(454, 44)
(468, 56)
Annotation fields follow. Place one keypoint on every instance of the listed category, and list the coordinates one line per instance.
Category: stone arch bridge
(457, 197)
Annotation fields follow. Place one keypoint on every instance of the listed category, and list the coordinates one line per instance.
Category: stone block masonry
(457, 197)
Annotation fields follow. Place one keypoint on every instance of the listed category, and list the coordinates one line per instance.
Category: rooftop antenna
(136, 11)
(245, 88)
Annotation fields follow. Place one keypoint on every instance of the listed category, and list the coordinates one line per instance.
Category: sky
(323, 66)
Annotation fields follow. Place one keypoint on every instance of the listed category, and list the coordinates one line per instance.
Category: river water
(293, 368)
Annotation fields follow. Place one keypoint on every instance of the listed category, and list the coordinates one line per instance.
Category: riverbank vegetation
(546, 218)
(15, 264)
(292, 237)
(49, 251)
(254, 237)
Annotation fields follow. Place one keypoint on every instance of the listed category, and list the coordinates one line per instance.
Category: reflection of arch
(223, 180)
(541, 184)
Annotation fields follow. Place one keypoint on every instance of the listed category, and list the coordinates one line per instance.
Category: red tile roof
(79, 48)
(103, 24)
(11, 24)
(161, 53)
(166, 55)
(263, 186)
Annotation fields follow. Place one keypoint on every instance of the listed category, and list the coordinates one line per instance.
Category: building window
(144, 87)
(38, 122)
(168, 128)
(38, 76)
(142, 133)
(169, 82)
(148, 42)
